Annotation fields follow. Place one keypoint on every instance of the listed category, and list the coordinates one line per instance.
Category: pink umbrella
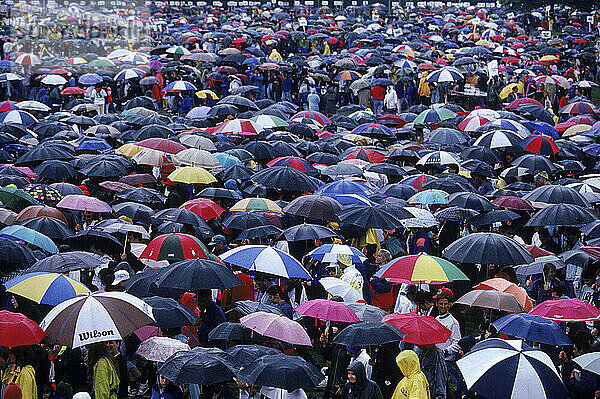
(83, 203)
(276, 326)
(571, 309)
(327, 310)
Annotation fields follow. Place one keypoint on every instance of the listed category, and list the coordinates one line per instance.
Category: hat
(13, 391)
(543, 174)
(120, 276)
(444, 291)
(217, 239)
(82, 395)
(344, 259)
(355, 350)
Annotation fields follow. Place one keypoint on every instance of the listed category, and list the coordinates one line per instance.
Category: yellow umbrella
(550, 58)
(192, 175)
(207, 93)
(129, 149)
(509, 89)
(575, 129)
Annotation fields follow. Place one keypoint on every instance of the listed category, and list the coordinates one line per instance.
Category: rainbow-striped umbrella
(421, 268)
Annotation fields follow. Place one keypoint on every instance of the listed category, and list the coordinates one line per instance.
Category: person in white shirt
(350, 273)
(450, 347)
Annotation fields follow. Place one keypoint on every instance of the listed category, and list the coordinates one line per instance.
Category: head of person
(424, 300)
(549, 271)
(263, 282)
(357, 376)
(383, 257)
(217, 242)
(443, 300)
(344, 261)
(22, 355)
(163, 381)
(453, 168)
(113, 347)
(588, 276)
(120, 276)
(275, 294)
(204, 299)
(542, 178)
(582, 342)
(332, 270)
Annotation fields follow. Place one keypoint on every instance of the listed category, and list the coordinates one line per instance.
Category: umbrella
(247, 307)
(246, 355)
(472, 201)
(366, 312)
(65, 262)
(562, 215)
(429, 197)
(421, 268)
(571, 309)
(500, 284)
(159, 349)
(318, 207)
(16, 199)
(98, 317)
(487, 248)
(281, 371)
(369, 334)
(14, 255)
(420, 330)
(365, 216)
(555, 194)
(229, 331)
(537, 267)
(285, 178)
(327, 310)
(169, 313)
(46, 288)
(255, 204)
(29, 236)
(306, 231)
(495, 368)
(264, 259)
(203, 366)
(513, 203)
(174, 247)
(532, 328)
(588, 362)
(83, 203)
(18, 330)
(330, 252)
(197, 274)
(191, 175)
(491, 299)
(344, 290)
(277, 327)
(456, 213)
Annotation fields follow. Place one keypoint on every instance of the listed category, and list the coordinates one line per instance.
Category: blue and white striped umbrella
(130, 73)
(406, 65)
(265, 259)
(499, 139)
(507, 124)
(499, 369)
(447, 74)
(180, 85)
(18, 117)
(329, 253)
(440, 158)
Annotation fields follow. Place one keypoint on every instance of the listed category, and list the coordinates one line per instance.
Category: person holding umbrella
(211, 316)
(450, 348)
(165, 389)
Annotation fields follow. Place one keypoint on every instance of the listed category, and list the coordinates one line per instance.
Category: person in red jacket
(378, 94)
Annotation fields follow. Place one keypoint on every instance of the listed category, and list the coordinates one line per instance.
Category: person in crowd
(358, 386)
(414, 385)
(103, 371)
(279, 300)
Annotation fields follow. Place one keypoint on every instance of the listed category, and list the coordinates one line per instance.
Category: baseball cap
(445, 291)
(217, 239)
(120, 276)
(344, 259)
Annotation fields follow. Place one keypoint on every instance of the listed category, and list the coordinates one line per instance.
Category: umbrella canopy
(264, 259)
(500, 284)
(306, 231)
(327, 310)
(589, 362)
(29, 236)
(532, 328)
(169, 313)
(562, 215)
(98, 317)
(487, 248)
(83, 203)
(491, 299)
(421, 268)
(277, 327)
(369, 334)
(197, 274)
(18, 330)
(175, 247)
(203, 366)
(571, 309)
(246, 355)
(67, 261)
(420, 330)
(46, 288)
(281, 371)
(318, 207)
(496, 369)
(159, 349)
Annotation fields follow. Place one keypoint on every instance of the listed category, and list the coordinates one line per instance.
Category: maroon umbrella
(138, 179)
(513, 203)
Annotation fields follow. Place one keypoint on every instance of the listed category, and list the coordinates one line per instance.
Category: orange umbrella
(500, 284)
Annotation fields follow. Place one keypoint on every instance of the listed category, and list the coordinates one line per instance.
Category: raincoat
(106, 380)
(363, 388)
(275, 56)
(414, 384)
(424, 90)
(24, 377)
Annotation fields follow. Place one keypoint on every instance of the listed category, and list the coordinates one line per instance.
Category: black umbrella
(488, 249)
(14, 255)
(493, 216)
(478, 167)
(220, 193)
(261, 150)
(318, 207)
(247, 307)
(472, 201)
(169, 313)
(285, 178)
(231, 331)
(239, 101)
(137, 212)
(484, 154)
(143, 195)
(323, 158)
(367, 217)
(54, 169)
(42, 153)
(85, 238)
(282, 371)
(223, 110)
(104, 168)
(245, 220)
(455, 213)
(142, 285)
(448, 184)
(49, 226)
(398, 190)
(562, 215)
(306, 231)
(534, 163)
(247, 354)
(236, 172)
(554, 194)
(258, 232)
(199, 366)
(141, 101)
(65, 262)
(179, 215)
(368, 333)
(197, 274)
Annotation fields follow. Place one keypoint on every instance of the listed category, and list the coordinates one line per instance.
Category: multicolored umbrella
(175, 247)
(429, 197)
(421, 268)
(44, 193)
(255, 204)
(238, 126)
(115, 186)
(434, 116)
(539, 144)
(314, 115)
(297, 163)
(265, 259)
(579, 107)
(348, 75)
(46, 288)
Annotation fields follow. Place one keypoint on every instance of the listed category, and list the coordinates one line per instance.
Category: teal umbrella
(29, 236)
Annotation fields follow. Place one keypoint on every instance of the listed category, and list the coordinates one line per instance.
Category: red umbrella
(536, 251)
(571, 309)
(522, 37)
(164, 145)
(204, 208)
(59, 71)
(175, 247)
(366, 154)
(420, 330)
(513, 203)
(327, 310)
(18, 330)
(67, 91)
(520, 101)
(510, 60)
(594, 252)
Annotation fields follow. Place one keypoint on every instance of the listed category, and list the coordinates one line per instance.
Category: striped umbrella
(348, 75)
(130, 73)
(579, 107)
(421, 268)
(269, 121)
(417, 181)
(180, 50)
(373, 129)
(46, 288)
(17, 116)
(77, 61)
(175, 247)
(238, 126)
(180, 85)
(471, 123)
(314, 115)
(447, 74)
(366, 154)
(135, 58)
(439, 158)
(255, 204)
(499, 139)
(97, 317)
(405, 50)
(265, 259)
(539, 144)
(433, 116)
(28, 59)
(8, 106)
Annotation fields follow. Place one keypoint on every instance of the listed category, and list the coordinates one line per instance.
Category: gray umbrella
(491, 299)
(537, 267)
(366, 312)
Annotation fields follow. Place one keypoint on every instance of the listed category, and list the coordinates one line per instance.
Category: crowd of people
(363, 152)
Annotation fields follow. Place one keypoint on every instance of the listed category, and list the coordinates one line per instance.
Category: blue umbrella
(281, 371)
(90, 79)
(50, 227)
(344, 187)
(93, 145)
(544, 128)
(261, 258)
(532, 328)
(169, 313)
(29, 236)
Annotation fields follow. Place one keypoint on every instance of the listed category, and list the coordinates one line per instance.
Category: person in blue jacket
(165, 389)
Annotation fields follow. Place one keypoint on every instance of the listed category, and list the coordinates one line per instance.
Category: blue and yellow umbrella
(46, 288)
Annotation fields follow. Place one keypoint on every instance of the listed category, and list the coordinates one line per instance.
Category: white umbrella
(422, 218)
(54, 80)
(159, 349)
(31, 105)
(97, 317)
(196, 157)
(195, 141)
(337, 287)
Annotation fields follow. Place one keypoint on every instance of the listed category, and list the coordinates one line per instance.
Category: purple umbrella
(155, 65)
(278, 327)
(327, 310)
(83, 203)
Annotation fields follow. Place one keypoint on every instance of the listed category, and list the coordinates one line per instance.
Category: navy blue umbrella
(199, 366)
(488, 249)
(232, 331)
(532, 328)
(247, 354)
(65, 262)
(306, 231)
(369, 333)
(197, 274)
(137, 212)
(562, 215)
(49, 226)
(14, 255)
(282, 371)
(169, 313)
(67, 188)
(54, 169)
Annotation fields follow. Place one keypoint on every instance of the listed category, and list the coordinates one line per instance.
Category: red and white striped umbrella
(471, 123)
(28, 59)
(237, 126)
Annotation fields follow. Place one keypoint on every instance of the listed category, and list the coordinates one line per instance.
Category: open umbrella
(83, 203)
(500, 284)
(159, 349)
(490, 299)
(571, 309)
(281, 371)
(175, 247)
(304, 231)
(421, 268)
(197, 274)
(46, 288)
(18, 330)
(369, 334)
(327, 310)
(318, 207)
(67, 261)
(29, 236)
(264, 259)
(532, 328)
(277, 327)
(487, 248)
(248, 354)
(562, 215)
(203, 366)
(98, 317)
(420, 330)
(169, 313)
